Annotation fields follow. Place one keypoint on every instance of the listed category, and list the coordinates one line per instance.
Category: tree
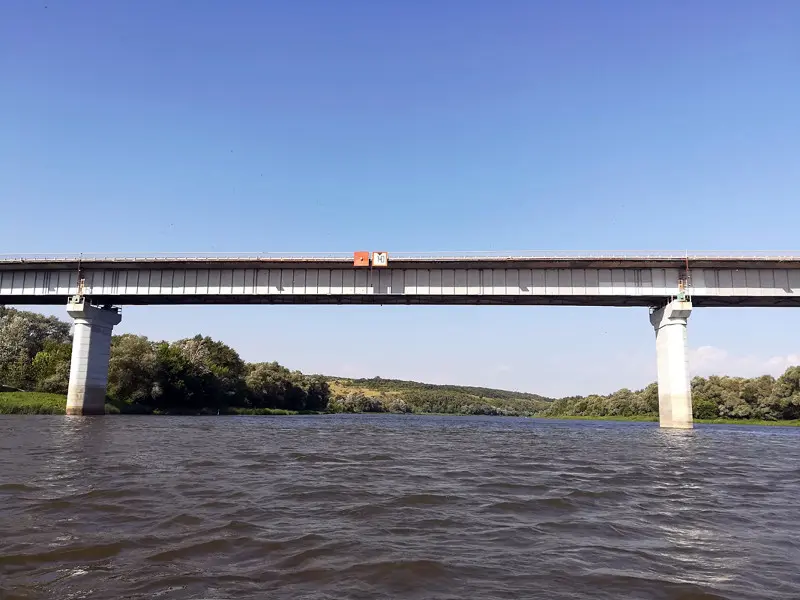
(50, 367)
(784, 402)
(704, 408)
(270, 385)
(318, 393)
(133, 370)
(22, 336)
(266, 385)
(182, 385)
(621, 402)
(648, 399)
(221, 361)
(357, 402)
(724, 392)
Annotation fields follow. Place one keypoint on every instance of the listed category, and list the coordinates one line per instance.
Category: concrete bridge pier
(674, 387)
(91, 350)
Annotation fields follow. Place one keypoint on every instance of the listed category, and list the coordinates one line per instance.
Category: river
(395, 507)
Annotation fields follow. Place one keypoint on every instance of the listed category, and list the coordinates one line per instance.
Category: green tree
(648, 399)
(221, 361)
(182, 385)
(704, 408)
(133, 370)
(621, 402)
(723, 392)
(318, 393)
(270, 385)
(784, 402)
(22, 336)
(50, 367)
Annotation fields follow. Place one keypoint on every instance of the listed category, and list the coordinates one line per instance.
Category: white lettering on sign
(380, 259)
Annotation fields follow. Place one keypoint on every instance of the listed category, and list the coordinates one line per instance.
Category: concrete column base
(91, 350)
(674, 387)
(83, 400)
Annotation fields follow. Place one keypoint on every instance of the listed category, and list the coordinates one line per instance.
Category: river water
(395, 507)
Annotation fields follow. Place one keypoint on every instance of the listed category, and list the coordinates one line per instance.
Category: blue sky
(323, 126)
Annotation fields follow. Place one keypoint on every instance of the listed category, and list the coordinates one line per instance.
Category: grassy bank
(266, 411)
(37, 403)
(32, 403)
(654, 419)
(786, 423)
(631, 418)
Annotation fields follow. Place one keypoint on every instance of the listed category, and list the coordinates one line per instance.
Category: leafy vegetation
(714, 398)
(393, 395)
(191, 376)
(203, 376)
(782, 423)
(34, 351)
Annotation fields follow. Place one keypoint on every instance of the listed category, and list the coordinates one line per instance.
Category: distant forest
(201, 375)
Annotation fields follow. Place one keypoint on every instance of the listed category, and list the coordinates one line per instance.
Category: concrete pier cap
(672, 357)
(91, 351)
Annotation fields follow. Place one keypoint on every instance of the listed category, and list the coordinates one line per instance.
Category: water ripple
(395, 507)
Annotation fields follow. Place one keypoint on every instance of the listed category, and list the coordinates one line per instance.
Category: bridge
(669, 284)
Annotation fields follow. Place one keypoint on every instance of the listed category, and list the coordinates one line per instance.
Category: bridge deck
(768, 280)
(410, 260)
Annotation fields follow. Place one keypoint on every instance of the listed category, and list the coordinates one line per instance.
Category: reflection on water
(395, 507)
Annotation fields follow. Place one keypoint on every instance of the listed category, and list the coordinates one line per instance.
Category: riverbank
(38, 403)
(32, 403)
(630, 418)
(200, 375)
(786, 423)
(654, 419)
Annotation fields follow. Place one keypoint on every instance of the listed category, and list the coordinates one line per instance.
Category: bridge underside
(416, 299)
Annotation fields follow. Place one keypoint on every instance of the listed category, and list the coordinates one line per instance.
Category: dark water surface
(395, 507)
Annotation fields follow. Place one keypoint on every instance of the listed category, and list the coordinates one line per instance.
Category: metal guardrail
(459, 255)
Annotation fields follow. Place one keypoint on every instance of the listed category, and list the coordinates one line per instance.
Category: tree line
(193, 375)
(199, 374)
(716, 397)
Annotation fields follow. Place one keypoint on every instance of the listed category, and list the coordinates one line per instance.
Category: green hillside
(396, 395)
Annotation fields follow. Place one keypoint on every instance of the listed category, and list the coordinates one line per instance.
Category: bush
(704, 409)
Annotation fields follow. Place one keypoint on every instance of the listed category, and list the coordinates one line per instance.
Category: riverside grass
(39, 403)
(654, 419)
(32, 403)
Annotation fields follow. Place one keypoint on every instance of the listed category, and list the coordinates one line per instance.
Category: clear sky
(209, 126)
